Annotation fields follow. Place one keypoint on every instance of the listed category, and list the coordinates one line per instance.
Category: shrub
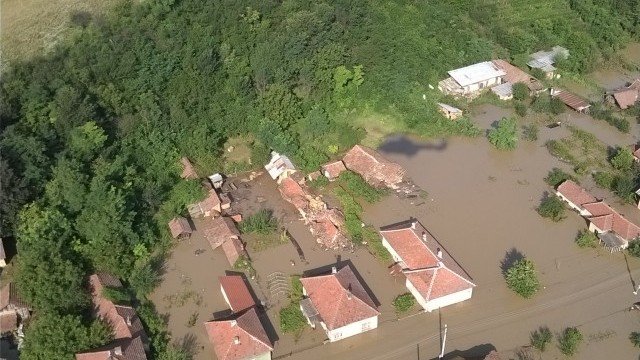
(569, 341)
(623, 159)
(556, 177)
(521, 109)
(624, 186)
(634, 248)
(556, 106)
(552, 208)
(244, 264)
(604, 179)
(116, 294)
(505, 135)
(520, 91)
(262, 222)
(402, 303)
(356, 185)
(521, 277)
(598, 111)
(291, 318)
(530, 132)
(586, 238)
(541, 338)
(635, 338)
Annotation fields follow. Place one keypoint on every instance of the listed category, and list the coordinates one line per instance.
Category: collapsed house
(626, 96)
(222, 232)
(514, 75)
(280, 166)
(374, 169)
(450, 112)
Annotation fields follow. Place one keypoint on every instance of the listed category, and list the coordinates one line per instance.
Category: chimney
(334, 270)
(236, 340)
(128, 320)
(439, 253)
(233, 323)
(424, 236)
(117, 351)
(413, 224)
(349, 295)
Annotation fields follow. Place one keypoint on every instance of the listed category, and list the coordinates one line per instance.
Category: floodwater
(612, 78)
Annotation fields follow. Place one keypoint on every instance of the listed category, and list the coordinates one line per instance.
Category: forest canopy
(92, 133)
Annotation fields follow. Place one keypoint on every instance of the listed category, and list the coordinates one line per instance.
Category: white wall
(486, 84)
(393, 253)
(575, 207)
(265, 356)
(441, 301)
(353, 329)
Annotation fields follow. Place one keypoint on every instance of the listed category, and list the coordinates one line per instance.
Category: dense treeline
(92, 133)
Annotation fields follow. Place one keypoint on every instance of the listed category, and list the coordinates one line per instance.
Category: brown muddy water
(616, 77)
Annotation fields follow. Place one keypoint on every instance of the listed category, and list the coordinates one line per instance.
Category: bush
(634, 248)
(521, 277)
(556, 106)
(624, 186)
(635, 338)
(556, 177)
(604, 179)
(586, 238)
(356, 185)
(623, 159)
(541, 338)
(116, 294)
(552, 208)
(402, 303)
(569, 341)
(262, 222)
(598, 111)
(521, 109)
(520, 91)
(244, 264)
(291, 318)
(505, 135)
(530, 132)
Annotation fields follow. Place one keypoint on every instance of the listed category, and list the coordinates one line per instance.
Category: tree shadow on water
(511, 257)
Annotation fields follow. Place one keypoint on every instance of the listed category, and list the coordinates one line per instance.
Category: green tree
(569, 341)
(505, 135)
(556, 106)
(60, 337)
(586, 238)
(521, 277)
(403, 303)
(551, 207)
(541, 338)
(634, 337)
(520, 91)
(557, 176)
(623, 159)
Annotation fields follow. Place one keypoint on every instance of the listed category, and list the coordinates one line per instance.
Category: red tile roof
(635, 149)
(236, 292)
(219, 230)
(617, 224)
(232, 249)
(246, 330)
(124, 349)
(8, 322)
(375, 169)
(436, 282)
(188, 171)
(515, 75)
(574, 193)
(598, 208)
(334, 169)
(626, 98)
(293, 193)
(328, 227)
(179, 226)
(339, 298)
(573, 101)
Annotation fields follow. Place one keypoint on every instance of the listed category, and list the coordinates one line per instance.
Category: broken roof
(339, 298)
(218, 230)
(8, 322)
(516, 75)
(123, 349)
(242, 337)
(188, 171)
(373, 168)
(278, 164)
(293, 193)
(236, 292)
(334, 169)
(575, 193)
(476, 73)
(179, 226)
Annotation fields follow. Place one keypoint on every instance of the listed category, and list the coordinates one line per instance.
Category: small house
(222, 232)
(450, 112)
(121, 349)
(545, 60)
(216, 180)
(188, 171)
(514, 75)
(572, 100)
(240, 337)
(180, 228)
(433, 277)
(280, 166)
(613, 229)
(332, 170)
(3, 255)
(236, 293)
(472, 79)
(374, 169)
(575, 196)
(339, 303)
(210, 206)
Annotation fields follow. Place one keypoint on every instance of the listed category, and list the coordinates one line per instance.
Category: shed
(280, 165)
(571, 100)
(503, 91)
(544, 60)
(216, 180)
(450, 112)
(332, 170)
(180, 228)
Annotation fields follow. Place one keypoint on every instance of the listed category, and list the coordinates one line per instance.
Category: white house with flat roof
(472, 79)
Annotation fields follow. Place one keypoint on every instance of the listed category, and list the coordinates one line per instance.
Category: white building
(279, 166)
(575, 196)
(339, 303)
(472, 79)
(433, 277)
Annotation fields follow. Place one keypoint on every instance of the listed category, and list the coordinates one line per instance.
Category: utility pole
(444, 341)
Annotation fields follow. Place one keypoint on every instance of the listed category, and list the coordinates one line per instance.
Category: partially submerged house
(433, 277)
(333, 169)
(236, 293)
(188, 171)
(450, 112)
(575, 196)
(180, 228)
(13, 310)
(280, 166)
(339, 303)
(572, 100)
(374, 169)
(130, 339)
(210, 206)
(472, 79)
(241, 337)
(626, 96)
(222, 232)
(514, 75)
(545, 60)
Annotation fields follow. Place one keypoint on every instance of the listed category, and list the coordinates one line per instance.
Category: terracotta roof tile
(339, 298)
(236, 292)
(219, 230)
(598, 208)
(515, 75)
(617, 224)
(375, 169)
(573, 101)
(626, 98)
(574, 193)
(123, 349)
(246, 330)
(232, 249)
(8, 321)
(179, 226)
(333, 170)
(635, 149)
(292, 192)
(437, 282)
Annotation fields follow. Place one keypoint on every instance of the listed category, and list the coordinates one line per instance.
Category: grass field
(32, 27)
